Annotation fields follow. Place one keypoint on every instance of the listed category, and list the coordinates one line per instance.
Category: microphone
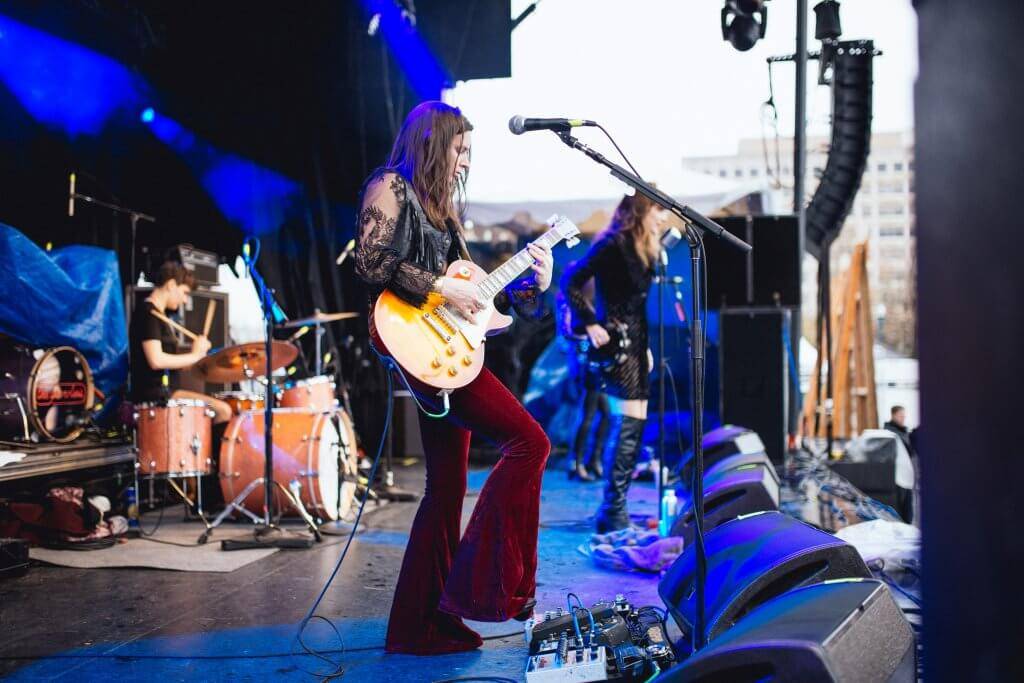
(345, 252)
(71, 195)
(519, 125)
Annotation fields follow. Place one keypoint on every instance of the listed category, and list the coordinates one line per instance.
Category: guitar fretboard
(501, 276)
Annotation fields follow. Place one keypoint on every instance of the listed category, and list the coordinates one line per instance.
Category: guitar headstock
(564, 229)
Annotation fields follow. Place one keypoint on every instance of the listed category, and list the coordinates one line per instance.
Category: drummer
(155, 365)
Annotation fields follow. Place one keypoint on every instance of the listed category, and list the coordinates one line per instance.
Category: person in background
(897, 424)
(155, 363)
(621, 263)
(587, 389)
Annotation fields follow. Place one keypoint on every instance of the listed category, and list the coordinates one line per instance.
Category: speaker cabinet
(754, 374)
(769, 275)
(729, 492)
(845, 631)
(751, 560)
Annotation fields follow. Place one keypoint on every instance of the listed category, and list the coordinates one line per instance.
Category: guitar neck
(501, 276)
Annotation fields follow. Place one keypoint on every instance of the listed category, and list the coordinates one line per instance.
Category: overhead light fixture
(744, 22)
(827, 29)
(826, 21)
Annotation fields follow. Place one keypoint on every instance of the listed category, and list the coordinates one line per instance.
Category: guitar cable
(339, 669)
(390, 364)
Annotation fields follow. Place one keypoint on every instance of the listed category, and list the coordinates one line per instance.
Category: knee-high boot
(622, 445)
(584, 435)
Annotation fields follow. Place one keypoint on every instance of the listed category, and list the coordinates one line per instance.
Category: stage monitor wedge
(730, 492)
(751, 560)
(837, 632)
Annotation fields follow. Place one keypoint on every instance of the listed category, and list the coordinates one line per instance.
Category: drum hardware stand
(387, 488)
(264, 526)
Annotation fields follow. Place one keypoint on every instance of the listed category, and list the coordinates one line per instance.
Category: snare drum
(175, 439)
(306, 451)
(241, 401)
(45, 394)
(315, 393)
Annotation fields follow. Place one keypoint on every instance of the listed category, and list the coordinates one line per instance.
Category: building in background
(882, 214)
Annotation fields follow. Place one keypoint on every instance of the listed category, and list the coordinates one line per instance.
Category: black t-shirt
(147, 383)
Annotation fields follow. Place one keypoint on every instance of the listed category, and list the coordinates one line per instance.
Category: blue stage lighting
(147, 115)
(425, 73)
(255, 199)
(64, 85)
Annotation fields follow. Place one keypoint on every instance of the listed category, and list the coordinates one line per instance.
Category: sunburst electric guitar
(433, 343)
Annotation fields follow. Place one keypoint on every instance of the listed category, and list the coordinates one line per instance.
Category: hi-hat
(317, 318)
(245, 361)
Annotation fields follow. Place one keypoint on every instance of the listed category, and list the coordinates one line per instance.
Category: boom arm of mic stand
(687, 213)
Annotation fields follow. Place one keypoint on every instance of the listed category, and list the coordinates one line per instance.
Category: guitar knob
(467, 360)
(452, 371)
(450, 350)
(436, 363)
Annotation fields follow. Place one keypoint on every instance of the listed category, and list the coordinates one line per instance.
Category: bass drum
(45, 394)
(306, 451)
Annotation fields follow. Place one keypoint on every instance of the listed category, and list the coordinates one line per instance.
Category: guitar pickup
(436, 326)
(446, 317)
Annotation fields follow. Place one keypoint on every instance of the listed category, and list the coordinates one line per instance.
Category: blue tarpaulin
(70, 296)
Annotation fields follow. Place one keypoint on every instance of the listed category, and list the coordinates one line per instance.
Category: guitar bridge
(436, 327)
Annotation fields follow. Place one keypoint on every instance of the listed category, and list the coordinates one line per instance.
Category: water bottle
(669, 503)
(132, 507)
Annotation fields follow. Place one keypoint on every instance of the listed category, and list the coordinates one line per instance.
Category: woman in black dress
(621, 262)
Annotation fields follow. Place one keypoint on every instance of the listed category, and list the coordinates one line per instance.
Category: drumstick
(181, 328)
(210, 308)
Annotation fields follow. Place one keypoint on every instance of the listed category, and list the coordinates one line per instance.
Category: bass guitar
(435, 344)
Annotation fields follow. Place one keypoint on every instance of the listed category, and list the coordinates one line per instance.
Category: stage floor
(139, 624)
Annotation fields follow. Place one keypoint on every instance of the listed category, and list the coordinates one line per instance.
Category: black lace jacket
(399, 249)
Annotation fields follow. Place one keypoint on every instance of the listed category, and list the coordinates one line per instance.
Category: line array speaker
(850, 144)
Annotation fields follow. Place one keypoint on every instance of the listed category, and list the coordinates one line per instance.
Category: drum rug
(155, 552)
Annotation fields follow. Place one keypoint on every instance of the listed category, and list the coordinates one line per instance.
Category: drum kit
(314, 443)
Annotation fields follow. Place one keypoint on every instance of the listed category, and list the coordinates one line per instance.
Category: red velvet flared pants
(488, 574)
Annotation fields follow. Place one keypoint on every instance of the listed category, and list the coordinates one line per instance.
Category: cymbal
(317, 318)
(230, 363)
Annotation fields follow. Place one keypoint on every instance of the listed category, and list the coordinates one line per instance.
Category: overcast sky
(659, 77)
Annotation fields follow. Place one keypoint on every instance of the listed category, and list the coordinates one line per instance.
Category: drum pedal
(242, 544)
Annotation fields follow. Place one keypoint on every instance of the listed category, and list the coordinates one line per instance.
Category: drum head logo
(62, 394)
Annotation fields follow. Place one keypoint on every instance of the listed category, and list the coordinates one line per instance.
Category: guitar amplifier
(203, 264)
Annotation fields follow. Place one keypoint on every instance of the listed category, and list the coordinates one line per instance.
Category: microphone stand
(696, 223)
(272, 314)
(133, 216)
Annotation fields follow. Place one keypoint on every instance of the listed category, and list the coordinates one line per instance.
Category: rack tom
(316, 394)
(175, 439)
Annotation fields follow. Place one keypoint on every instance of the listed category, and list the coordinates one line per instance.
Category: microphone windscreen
(516, 125)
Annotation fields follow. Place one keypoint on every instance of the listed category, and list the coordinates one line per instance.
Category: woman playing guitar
(409, 231)
(621, 262)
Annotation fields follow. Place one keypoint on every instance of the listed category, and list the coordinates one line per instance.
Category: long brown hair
(420, 155)
(628, 222)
